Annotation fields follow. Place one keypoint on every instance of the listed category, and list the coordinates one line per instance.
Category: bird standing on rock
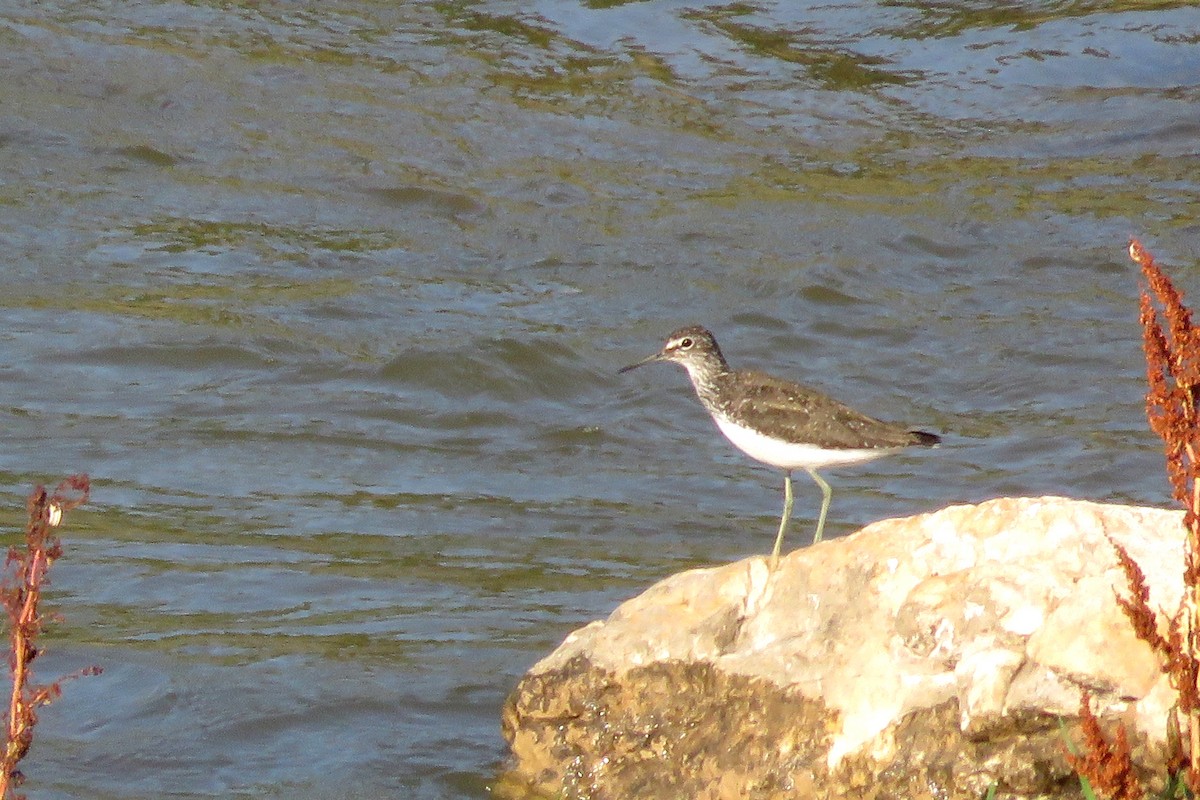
(782, 423)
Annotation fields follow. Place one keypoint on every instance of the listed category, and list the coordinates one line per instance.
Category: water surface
(329, 299)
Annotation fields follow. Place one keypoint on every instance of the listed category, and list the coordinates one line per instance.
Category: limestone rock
(931, 656)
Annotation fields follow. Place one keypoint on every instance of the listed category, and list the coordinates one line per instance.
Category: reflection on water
(329, 303)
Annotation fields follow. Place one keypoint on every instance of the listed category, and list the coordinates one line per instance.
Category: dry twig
(1173, 409)
(26, 573)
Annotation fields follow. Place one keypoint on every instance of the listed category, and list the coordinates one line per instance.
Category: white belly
(793, 456)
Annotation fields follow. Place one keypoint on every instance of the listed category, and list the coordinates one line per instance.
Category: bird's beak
(643, 362)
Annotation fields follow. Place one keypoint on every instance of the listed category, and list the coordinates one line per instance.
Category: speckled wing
(795, 413)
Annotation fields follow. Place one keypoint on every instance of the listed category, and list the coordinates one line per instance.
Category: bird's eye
(685, 343)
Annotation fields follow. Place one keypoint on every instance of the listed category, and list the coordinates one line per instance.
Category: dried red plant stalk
(1137, 605)
(26, 572)
(1173, 410)
(1108, 766)
(1173, 377)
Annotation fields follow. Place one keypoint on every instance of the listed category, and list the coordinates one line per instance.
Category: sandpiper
(779, 422)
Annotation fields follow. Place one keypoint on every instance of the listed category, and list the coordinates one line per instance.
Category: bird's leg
(787, 514)
(826, 494)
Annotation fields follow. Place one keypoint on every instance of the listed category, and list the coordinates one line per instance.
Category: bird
(781, 423)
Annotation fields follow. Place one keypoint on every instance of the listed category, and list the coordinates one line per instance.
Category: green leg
(826, 495)
(787, 514)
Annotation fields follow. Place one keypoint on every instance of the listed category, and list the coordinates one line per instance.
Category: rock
(926, 657)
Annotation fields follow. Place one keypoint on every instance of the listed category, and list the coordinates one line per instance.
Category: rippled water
(329, 298)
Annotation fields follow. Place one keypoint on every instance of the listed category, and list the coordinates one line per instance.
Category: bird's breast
(792, 455)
